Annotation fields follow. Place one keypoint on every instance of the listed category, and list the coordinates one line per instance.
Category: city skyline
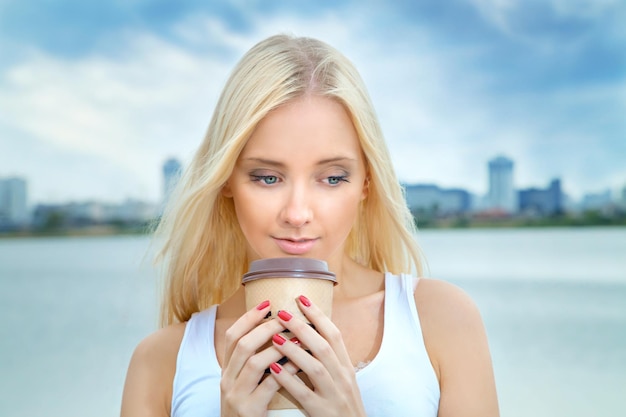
(425, 201)
(92, 112)
(171, 169)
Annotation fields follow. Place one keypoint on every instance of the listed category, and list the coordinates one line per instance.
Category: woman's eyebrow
(326, 161)
(265, 161)
(336, 159)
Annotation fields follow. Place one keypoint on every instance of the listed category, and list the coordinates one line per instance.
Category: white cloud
(427, 105)
(586, 9)
(148, 97)
(498, 13)
(131, 112)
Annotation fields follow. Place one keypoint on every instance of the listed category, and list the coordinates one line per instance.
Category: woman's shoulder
(151, 371)
(449, 319)
(456, 342)
(161, 344)
(443, 300)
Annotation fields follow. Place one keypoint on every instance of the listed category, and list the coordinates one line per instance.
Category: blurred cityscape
(86, 217)
(506, 205)
(431, 205)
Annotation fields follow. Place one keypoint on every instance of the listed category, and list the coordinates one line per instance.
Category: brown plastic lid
(288, 267)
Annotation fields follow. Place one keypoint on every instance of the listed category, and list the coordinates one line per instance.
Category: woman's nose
(296, 210)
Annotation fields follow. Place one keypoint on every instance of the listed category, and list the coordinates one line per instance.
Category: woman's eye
(265, 179)
(335, 180)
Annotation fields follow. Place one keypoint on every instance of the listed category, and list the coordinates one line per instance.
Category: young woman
(294, 164)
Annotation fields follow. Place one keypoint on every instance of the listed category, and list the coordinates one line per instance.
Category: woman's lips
(295, 246)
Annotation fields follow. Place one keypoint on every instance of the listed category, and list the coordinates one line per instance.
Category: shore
(100, 230)
(489, 220)
(423, 222)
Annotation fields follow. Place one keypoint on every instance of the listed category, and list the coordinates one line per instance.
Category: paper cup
(282, 281)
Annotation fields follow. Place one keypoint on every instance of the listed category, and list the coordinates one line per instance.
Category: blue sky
(94, 96)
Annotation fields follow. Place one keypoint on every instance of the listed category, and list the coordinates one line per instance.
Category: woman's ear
(366, 187)
(226, 191)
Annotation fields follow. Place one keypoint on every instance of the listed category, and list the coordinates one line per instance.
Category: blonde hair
(202, 243)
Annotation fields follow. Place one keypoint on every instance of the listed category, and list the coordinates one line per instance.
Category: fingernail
(305, 301)
(278, 339)
(276, 368)
(263, 305)
(284, 315)
(295, 340)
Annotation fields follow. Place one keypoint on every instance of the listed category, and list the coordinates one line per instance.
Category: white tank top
(399, 381)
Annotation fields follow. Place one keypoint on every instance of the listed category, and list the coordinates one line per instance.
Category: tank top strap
(199, 337)
(400, 380)
(400, 310)
(197, 368)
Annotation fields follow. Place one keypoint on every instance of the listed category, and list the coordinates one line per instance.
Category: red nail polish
(276, 368)
(295, 340)
(279, 339)
(284, 315)
(263, 305)
(305, 301)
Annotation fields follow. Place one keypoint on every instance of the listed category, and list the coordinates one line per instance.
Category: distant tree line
(433, 219)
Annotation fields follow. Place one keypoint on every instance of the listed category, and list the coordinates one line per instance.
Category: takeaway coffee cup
(282, 281)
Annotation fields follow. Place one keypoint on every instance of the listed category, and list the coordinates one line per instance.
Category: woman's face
(298, 182)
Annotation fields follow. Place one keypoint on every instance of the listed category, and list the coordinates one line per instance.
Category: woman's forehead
(313, 124)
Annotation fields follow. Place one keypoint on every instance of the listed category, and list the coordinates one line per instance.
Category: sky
(95, 96)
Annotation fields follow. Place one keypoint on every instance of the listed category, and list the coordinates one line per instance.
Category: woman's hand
(328, 367)
(243, 368)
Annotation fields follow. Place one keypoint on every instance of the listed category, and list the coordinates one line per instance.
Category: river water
(553, 302)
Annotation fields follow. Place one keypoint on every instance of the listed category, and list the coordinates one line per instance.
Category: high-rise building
(172, 170)
(502, 195)
(538, 201)
(13, 201)
(430, 197)
(596, 201)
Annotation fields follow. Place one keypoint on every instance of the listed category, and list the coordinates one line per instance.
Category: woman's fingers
(243, 326)
(314, 369)
(330, 367)
(255, 366)
(244, 339)
(329, 348)
(247, 395)
(252, 346)
(332, 395)
(292, 384)
(243, 350)
(248, 353)
(326, 328)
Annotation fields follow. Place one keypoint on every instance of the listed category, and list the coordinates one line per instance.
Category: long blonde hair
(202, 244)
